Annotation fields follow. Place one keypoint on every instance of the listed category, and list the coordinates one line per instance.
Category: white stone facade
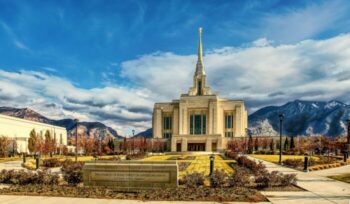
(200, 120)
(19, 130)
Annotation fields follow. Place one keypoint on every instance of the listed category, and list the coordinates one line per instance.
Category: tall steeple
(199, 87)
(199, 66)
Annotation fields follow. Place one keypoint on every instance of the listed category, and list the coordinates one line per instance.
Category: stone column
(208, 144)
(184, 145)
(176, 121)
(220, 144)
(173, 144)
(238, 122)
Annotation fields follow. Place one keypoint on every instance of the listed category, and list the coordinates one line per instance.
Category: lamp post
(76, 139)
(281, 117)
(212, 157)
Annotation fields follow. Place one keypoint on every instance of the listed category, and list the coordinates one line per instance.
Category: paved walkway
(11, 165)
(318, 186)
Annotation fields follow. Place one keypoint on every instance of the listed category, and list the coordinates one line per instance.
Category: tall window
(167, 120)
(228, 124)
(198, 122)
(199, 91)
(61, 139)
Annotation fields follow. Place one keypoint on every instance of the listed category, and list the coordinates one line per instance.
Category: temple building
(200, 120)
(18, 130)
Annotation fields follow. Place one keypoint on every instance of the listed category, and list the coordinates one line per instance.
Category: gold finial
(200, 44)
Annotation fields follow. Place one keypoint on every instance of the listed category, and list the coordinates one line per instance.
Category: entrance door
(178, 147)
(196, 147)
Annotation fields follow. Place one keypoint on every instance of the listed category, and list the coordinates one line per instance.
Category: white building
(200, 120)
(19, 129)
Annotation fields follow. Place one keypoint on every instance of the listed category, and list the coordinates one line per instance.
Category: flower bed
(297, 161)
(327, 166)
(22, 177)
(176, 194)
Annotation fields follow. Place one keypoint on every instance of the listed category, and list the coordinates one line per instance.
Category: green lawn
(7, 159)
(342, 177)
(275, 158)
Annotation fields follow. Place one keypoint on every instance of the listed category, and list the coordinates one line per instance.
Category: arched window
(199, 87)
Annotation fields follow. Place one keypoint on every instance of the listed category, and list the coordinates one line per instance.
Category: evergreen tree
(250, 144)
(292, 145)
(272, 145)
(256, 144)
(286, 144)
(111, 144)
(32, 141)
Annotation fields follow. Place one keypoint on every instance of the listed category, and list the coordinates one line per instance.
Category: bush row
(22, 177)
(72, 171)
(139, 155)
(241, 178)
(51, 162)
(253, 166)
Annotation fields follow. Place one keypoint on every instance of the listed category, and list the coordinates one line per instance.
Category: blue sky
(103, 51)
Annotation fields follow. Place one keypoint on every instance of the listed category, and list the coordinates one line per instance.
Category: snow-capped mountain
(302, 118)
(90, 129)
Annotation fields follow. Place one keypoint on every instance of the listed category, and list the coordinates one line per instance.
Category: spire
(199, 66)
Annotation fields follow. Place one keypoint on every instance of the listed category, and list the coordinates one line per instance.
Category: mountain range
(90, 129)
(300, 118)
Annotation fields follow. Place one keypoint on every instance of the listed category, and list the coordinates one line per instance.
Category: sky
(110, 61)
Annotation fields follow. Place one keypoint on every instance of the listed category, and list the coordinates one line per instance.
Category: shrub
(192, 180)
(139, 155)
(251, 165)
(45, 178)
(109, 159)
(294, 163)
(72, 171)
(51, 162)
(218, 179)
(231, 155)
(239, 179)
(274, 179)
(22, 177)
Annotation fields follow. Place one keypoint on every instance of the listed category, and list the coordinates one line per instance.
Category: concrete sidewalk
(317, 184)
(11, 165)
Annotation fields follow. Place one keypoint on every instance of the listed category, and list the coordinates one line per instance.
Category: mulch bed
(177, 194)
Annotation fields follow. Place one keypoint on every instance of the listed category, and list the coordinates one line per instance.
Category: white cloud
(57, 98)
(267, 75)
(261, 42)
(294, 25)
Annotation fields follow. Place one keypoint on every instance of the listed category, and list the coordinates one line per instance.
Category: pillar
(184, 145)
(208, 144)
(173, 145)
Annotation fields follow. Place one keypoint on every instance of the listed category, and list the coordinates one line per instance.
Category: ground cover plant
(164, 194)
(297, 161)
(72, 172)
(22, 177)
(200, 164)
(239, 184)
